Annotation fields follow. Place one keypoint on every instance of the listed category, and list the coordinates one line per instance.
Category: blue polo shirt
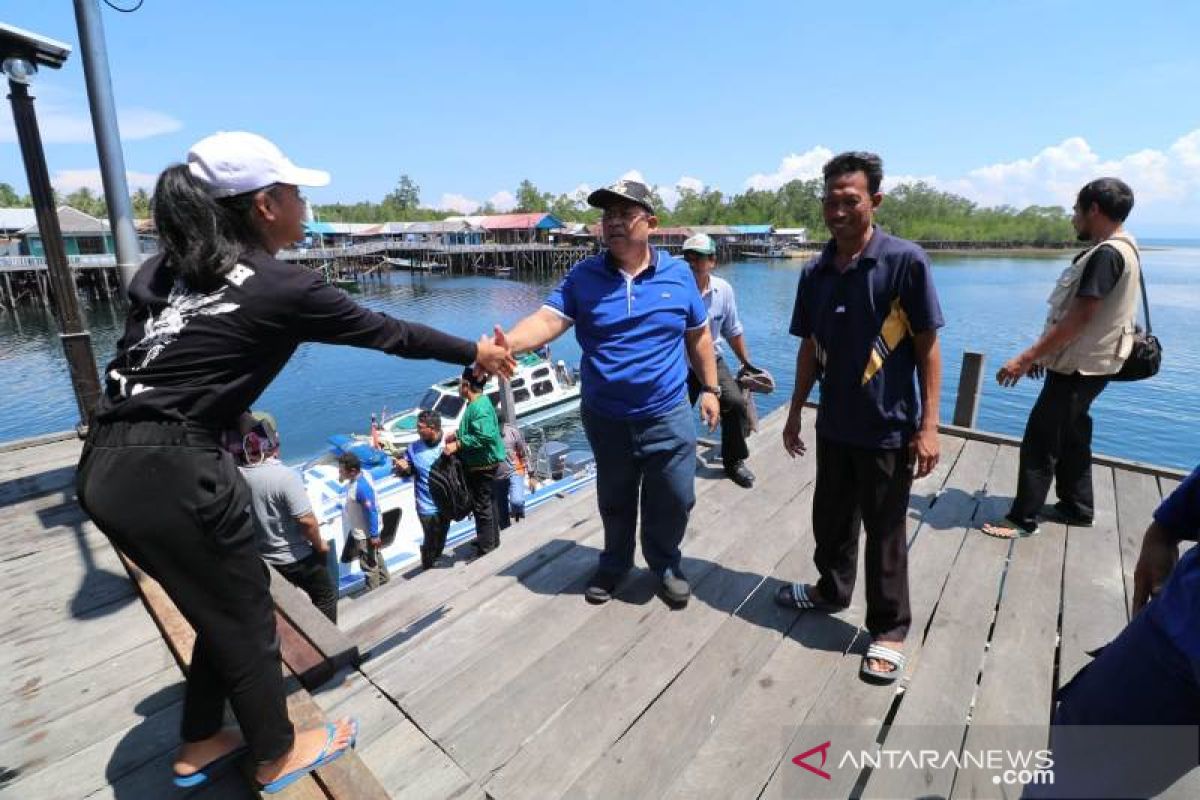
(862, 405)
(1176, 610)
(631, 332)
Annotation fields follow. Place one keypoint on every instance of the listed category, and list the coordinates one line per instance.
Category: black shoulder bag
(1146, 356)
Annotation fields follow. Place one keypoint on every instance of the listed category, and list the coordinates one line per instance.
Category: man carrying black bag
(1090, 333)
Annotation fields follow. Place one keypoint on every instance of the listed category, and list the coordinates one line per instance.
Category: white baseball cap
(236, 162)
(700, 243)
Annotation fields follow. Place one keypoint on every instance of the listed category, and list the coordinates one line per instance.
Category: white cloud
(794, 167)
(694, 184)
(503, 201)
(69, 180)
(633, 175)
(62, 123)
(579, 193)
(459, 203)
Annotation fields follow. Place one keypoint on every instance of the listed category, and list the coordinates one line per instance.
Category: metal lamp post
(21, 53)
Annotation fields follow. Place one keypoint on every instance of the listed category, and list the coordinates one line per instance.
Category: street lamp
(21, 53)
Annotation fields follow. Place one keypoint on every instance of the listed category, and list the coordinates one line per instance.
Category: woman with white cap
(213, 318)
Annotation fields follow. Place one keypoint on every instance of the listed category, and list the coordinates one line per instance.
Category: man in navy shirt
(867, 316)
(1148, 676)
(637, 313)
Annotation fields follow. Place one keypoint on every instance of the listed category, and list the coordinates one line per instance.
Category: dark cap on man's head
(349, 461)
(472, 380)
(623, 190)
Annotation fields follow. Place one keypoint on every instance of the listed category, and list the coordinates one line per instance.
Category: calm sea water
(992, 305)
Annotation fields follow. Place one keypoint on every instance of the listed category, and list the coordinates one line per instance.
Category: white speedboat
(541, 389)
(557, 472)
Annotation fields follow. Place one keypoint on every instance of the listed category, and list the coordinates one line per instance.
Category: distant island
(915, 211)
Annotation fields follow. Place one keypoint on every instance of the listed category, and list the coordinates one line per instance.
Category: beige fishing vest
(1104, 344)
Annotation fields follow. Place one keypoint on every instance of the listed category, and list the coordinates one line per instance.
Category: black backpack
(448, 487)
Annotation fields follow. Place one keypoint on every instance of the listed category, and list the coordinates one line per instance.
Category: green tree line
(914, 211)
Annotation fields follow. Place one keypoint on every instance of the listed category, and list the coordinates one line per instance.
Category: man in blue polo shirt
(636, 312)
(867, 314)
(1126, 724)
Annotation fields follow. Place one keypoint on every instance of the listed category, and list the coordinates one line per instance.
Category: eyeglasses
(627, 215)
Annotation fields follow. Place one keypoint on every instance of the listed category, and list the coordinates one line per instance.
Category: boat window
(541, 372)
(449, 406)
(542, 388)
(429, 400)
(520, 395)
(517, 383)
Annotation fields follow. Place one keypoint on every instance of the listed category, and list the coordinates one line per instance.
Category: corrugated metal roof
(752, 229)
(319, 228)
(536, 219)
(713, 230)
(14, 219)
(791, 231)
(677, 231)
(73, 221)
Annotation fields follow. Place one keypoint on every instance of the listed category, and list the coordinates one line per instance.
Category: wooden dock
(493, 678)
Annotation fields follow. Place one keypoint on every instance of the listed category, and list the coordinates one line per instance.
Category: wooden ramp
(494, 678)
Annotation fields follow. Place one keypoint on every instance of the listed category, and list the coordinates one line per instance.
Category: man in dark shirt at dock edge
(867, 315)
(636, 312)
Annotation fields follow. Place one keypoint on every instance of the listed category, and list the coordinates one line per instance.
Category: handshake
(494, 356)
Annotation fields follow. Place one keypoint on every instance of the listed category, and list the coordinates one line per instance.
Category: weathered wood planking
(855, 709)
(1012, 704)
(1093, 592)
(1137, 497)
(619, 636)
(741, 754)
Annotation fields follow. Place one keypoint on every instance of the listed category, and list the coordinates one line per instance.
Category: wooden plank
(847, 704)
(743, 751)
(610, 638)
(1013, 703)
(325, 638)
(412, 767)
(604, 707)
(1093, 601)
(645, 761)
(1137, 497)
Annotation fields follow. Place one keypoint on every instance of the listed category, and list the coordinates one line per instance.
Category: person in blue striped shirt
(361, 521)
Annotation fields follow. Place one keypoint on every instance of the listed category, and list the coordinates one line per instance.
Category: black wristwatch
(715, 391)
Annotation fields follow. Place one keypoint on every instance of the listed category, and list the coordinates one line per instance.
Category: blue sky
(1014, 102)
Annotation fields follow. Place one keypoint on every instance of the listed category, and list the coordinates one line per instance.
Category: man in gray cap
(639, 320)
(700, 252)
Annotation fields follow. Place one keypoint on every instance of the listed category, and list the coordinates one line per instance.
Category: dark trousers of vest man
(1057, 448)
(860, 488)
(733, 413)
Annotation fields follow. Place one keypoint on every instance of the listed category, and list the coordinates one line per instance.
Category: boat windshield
(449, 406)
(429, 401)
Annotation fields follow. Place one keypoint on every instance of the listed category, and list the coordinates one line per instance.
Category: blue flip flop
(326, 757)
(208, 770)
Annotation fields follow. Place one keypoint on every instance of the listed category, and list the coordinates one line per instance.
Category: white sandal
(881, 652)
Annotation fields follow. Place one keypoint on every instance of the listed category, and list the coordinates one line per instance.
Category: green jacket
(479, 434)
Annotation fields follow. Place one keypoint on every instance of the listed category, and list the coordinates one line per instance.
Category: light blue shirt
(421, 457)
(723, 319)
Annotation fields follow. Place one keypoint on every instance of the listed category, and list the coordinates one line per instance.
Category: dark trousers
(733, 413)
(480, 482)
(1057, 447)
(175, 503)
(373, 564)
(1102, 742)
(856, 486)
(656, 459)
(311, 575)
(435, 527)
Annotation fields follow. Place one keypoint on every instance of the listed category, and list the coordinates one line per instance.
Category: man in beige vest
(1088, 335)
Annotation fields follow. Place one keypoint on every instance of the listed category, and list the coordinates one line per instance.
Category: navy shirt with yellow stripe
(862, 320)
(631, 331)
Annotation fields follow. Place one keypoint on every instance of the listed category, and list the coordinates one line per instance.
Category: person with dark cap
(639, 320)
(700, 252)
(213, 317)
(481, 447)
(289, 536)
(1089, 333)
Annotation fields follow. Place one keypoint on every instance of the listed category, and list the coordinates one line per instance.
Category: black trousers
(1057, 447)
(435, 527)
(480, 482)
(733, 413)
(175, 503)
(868, 488)
(311, 575)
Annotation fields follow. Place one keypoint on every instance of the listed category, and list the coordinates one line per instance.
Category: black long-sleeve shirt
(206, 358)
